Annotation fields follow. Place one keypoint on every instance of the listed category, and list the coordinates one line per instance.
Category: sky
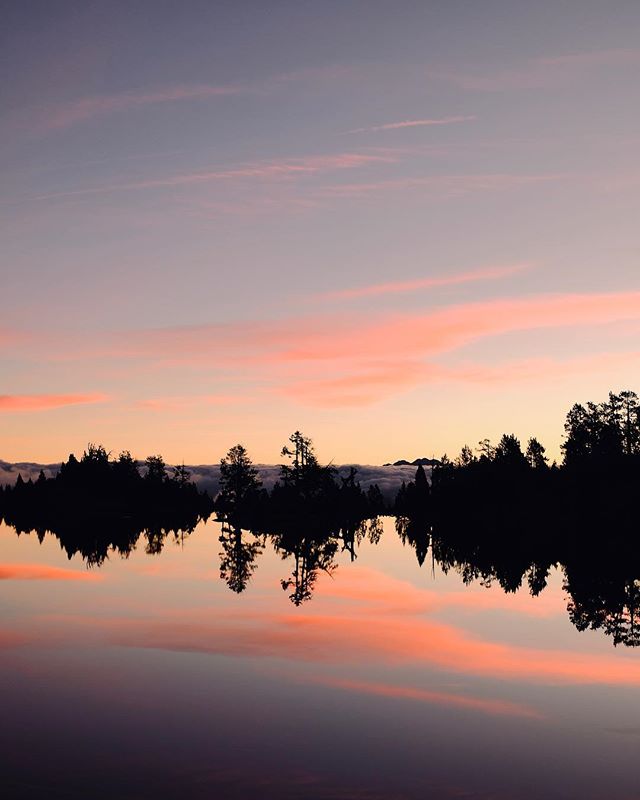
(397, 226)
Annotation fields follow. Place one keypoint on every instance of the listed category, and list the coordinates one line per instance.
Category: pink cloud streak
(40, 402)
(365, 385)
(190, 401)
(443, 185)
(452, 327)
(412, 123)
(87, 108)
(397, 287)
(543, 72)
(279, 169)
(331, 360)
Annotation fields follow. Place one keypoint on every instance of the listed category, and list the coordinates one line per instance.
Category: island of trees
(496, 513)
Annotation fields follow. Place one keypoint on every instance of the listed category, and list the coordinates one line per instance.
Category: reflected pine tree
(238, 557)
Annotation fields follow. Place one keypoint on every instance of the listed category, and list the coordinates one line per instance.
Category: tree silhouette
(238, 557)
(238, 477)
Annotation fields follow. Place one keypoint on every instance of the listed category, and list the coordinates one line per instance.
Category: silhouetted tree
(536, 454)
(156, 469)
(238, 477)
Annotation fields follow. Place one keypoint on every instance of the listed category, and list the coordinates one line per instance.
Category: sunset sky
(398, 226)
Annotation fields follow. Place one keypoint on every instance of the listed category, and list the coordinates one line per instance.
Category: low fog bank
(388, 478)
(207, 476)
(9, 472)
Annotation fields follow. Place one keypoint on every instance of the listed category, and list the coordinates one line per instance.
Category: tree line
(497, 513)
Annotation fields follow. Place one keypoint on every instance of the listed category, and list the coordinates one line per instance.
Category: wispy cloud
(543, 72)
(332, 359)
(440, 185)
(399, 287)
(412, 123)
(180, 403)
(361, 384)
(364, 385)
(278, 169)
(594, 58)
(40, 402)
(449, 328)
(87, 108)
(542, 369)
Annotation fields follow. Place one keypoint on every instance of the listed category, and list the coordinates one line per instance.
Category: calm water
(148, 677)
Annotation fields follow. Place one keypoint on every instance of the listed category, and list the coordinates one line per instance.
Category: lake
(149, 676)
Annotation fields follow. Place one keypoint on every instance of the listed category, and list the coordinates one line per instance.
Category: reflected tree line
(497, 514)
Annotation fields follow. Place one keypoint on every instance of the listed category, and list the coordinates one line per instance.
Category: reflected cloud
(375, 592)
(43, 572)
(402, 634)
(486, 706)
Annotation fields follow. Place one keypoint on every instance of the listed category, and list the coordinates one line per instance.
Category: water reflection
(602, 585)
(209, 692)
(238, 557)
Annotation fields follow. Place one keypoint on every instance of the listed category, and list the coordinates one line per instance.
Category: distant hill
(426, 462)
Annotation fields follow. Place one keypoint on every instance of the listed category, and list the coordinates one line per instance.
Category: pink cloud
(412, 123)
(184, 402)
(543, 72)
(11, 639)
(333, 360)
(442, 185)
(87, 108)
(450, 328)
(39, 402)
(396, 287)
(362, 384)
(43, 572)
(536, 369)
(594, 58)
(279, 169)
